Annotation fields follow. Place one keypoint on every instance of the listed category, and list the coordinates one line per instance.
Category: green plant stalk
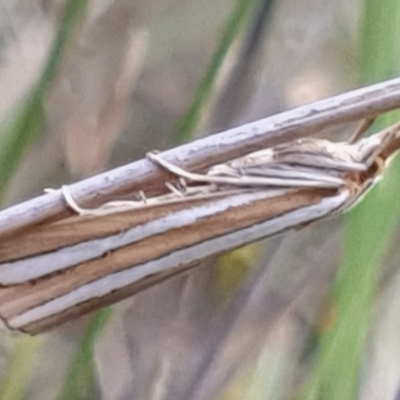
(233, 25)
(368, 229)
(17, 134)
(379, 30)
(20, 368)
(367, 235)
(28, 122)
(80, 373)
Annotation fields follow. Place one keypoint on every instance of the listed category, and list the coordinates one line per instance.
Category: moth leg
(71, 203)
(182, 190)
(112, 206)
(77, 208)
(173, 189)
(74, 205)
(362, 127)
(175, 170)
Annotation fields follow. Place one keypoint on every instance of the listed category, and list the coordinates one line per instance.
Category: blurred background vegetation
(89, 85)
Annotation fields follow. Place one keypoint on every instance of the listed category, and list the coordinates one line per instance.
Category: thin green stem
(28, 122)
(233, 25)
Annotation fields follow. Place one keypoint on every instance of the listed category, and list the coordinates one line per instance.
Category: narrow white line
(118, 280)
(37, 266)
(330, 182)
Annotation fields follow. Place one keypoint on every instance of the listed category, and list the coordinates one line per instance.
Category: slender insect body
(240, 219)
(70, 267)
(20, 270)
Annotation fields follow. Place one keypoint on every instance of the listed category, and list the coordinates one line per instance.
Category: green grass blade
(80, 373)
(233, 25)
(16, 136)
(28, 122)
(20, 368)
(368, 229)
(379, 30)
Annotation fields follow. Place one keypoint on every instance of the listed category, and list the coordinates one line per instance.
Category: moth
(61, 270)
